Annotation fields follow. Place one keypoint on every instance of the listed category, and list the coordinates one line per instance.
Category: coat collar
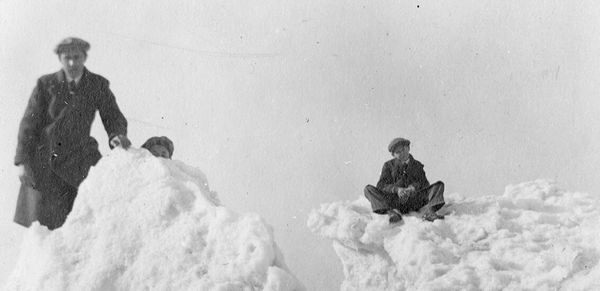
(410, 161)
(84, 83)
(61, 77)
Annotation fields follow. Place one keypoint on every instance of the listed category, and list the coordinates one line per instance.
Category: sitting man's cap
(398, 142)
(160, 140)
(72, 42)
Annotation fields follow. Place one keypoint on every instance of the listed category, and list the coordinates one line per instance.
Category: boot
(431, 216)
(395, 215)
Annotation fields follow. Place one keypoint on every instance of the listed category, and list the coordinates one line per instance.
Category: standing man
(55, 150)
(403, 186)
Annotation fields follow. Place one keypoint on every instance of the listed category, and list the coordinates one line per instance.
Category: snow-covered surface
(144, 223)
(533, 237)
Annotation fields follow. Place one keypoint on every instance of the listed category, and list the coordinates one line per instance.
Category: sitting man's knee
(369, 189)
(438, 185)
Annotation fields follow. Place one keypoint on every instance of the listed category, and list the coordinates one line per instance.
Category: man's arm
(114, 122)
(31, 126)
(386, 181)
(420, 178)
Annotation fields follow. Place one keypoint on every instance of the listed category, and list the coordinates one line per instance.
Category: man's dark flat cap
(160, 140)
(398, 142)
(72, 42)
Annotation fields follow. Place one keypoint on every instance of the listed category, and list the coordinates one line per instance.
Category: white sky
(289, 104)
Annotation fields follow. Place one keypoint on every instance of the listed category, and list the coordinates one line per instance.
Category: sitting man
(403, 186)
(160, 146)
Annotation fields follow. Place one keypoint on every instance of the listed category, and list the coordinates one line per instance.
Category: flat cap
(72, 42)
(398, 142)
(160, 140)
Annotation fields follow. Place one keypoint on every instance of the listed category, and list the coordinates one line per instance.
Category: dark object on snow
(396, 175)
(55, 145)
(72, 42)
(431, 216)
(395, 215)
(162, 141)
(398, 142)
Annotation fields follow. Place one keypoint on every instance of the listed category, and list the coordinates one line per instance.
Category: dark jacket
(54, 138)
(396, 174)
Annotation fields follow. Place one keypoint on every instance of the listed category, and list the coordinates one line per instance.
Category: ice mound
(533, 237)
(144, 223)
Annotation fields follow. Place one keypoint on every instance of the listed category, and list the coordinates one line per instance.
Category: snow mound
(533, 237)
(144, 223)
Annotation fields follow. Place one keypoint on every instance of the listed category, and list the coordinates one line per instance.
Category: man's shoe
(431, 216)
(395, 215)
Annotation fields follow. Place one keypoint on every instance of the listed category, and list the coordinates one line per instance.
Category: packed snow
(533, 237)
(146, 223)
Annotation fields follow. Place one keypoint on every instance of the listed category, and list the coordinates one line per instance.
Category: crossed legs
(431, 197)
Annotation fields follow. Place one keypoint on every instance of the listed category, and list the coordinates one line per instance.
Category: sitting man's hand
(403, 194)
(405, 191)
(401, 191)
(120, 141)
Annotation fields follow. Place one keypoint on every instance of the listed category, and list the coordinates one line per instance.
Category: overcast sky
(289, 104)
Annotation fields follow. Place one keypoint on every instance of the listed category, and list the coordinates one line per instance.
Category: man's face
(401, 152)
(160, 151)
(73, 61)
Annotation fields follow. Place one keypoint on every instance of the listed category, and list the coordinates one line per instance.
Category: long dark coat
(54, 143)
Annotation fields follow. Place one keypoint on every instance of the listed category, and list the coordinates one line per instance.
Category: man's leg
(380, 202)
(435, 196)
(56, 203)
(383, 203)
(433, 200)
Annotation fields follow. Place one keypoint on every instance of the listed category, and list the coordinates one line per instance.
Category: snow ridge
(533, 237)
(144, 223)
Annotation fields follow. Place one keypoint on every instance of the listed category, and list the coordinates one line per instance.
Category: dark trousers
(50, 199)
(49, 208)
(56, 204)
(432, 197)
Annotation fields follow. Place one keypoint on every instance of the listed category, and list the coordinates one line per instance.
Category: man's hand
(405, 191)
(25, 175)
(120, 141)
(403, 194)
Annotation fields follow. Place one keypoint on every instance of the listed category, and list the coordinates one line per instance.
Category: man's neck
(73, 78)
(404, 161)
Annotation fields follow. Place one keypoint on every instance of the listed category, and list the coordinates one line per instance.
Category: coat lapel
(85, 81)
(63, 85)
(58, 93)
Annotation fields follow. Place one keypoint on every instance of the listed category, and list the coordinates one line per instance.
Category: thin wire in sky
(219, 54)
